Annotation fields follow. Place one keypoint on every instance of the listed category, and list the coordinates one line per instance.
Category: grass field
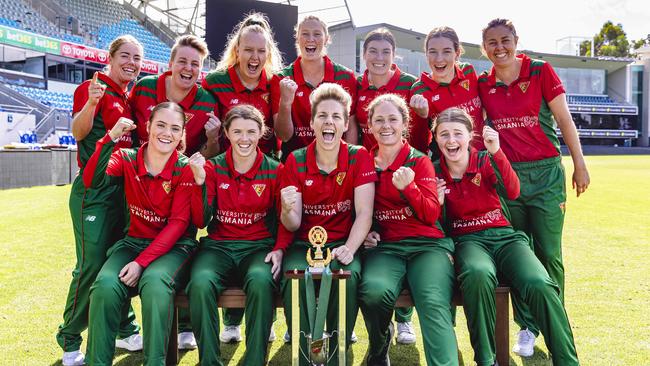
(606, 253)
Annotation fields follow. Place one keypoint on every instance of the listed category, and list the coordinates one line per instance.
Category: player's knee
(478, 276)
(106, 288)
(373, 292)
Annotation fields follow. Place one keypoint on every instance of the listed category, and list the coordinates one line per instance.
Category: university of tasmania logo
(477, 179)
(259, 189)
(524, 86)
(340, 177)
(465, 84)
(167, 186)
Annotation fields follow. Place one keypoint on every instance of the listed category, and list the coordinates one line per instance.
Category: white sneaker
(230, 333)
(353, 337)
(287, 337)
(186, 340)
(272, 336)
(132, 343)
(405, 333)
(525, 343)
(73, 358)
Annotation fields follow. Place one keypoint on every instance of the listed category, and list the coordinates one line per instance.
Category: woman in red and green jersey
(243, 75)
(449, 84)
(380, 77)
(331, 184)
(291, 87)
(525, 100)
(152, 260)
(407, 245)
(178, 85)
(97, 214)
(240, 210)
(487, 246)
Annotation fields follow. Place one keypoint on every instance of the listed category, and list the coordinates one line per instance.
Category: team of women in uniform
(446, 179)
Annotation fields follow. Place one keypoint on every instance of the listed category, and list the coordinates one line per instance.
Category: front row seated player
(487, 247)
(153, 258)
(240, 205)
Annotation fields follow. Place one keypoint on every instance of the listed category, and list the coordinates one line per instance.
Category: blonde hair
(444, 32)
(121, 40)
(396, 101)
(244, 111)
(258, 23)
(454, 114)
(296, 30)
(193, 41)
(330, 91)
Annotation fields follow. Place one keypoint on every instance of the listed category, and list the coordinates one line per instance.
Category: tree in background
(610, 41)
(641, 42)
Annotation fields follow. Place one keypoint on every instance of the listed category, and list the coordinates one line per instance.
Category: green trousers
(157, 287)
(427, 265)
(217, 265)
(505, 252)
(295, 258)
(98, 222)
(539, 212)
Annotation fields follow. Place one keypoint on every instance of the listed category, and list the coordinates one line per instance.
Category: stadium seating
(16, 14)
(56, 100)
(590, 100)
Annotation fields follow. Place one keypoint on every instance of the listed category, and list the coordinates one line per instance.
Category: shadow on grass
(538, 355)
(132, 358)
(404, 354)
(283, 355)
(228, 350)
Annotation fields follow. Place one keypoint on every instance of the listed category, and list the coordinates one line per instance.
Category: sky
(539, 23)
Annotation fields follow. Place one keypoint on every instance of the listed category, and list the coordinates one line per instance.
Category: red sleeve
(283, 239)
(510, 179)
(352, 90)
(551, 83)
(204, 83)
(80, 98)
(275, 94)
(289, 174)
(103, 163)
(422, 193)
(177, 222)
(365, 168)
(203, 197)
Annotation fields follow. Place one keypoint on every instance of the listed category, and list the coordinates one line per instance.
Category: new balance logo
(435, 97)
(90, 218)
(300, 94)
(224, 185)
(234, 101)
(309, 182)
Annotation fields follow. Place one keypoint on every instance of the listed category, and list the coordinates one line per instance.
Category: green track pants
(157, 287)
(480, 257)
(427, 266)
(98, 222)
(539, 212)
(295, 259)
(217, 265)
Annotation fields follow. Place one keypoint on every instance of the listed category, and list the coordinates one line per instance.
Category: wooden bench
(235, 298)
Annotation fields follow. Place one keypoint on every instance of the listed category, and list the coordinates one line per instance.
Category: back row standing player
(291, 87)
(523, 98)
(449, 84)
(98, 214)
(382, 76)
(243, 76)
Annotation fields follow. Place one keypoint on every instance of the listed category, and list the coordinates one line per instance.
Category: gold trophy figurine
(318, 238)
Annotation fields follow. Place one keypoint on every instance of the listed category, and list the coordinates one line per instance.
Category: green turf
(606, 251)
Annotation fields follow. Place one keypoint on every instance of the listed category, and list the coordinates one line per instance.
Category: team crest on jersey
(188, 116)
(524, 86)
(265, 96)
(477, 179)
(340, 177)
(259, 189)
(465, 84)
(167, 186)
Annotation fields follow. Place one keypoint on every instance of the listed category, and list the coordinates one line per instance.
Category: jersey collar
(523, 73)
(401, 157)
(391, 85)
(472, 166)
(113, 85)
(428, 81)
(299, 78)
(239, 86)
(161, 92)
(341, 165)
(251, 173)
(167, 171)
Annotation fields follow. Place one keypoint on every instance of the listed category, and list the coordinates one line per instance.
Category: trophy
(318, 269)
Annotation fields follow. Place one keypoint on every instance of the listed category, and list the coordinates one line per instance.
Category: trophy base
(318, 350)
(318, 270)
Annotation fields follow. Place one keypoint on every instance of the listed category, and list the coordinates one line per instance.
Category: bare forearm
(359, 231)
(210, 149)
(82, 122)
(352, 135)
(283, 123)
